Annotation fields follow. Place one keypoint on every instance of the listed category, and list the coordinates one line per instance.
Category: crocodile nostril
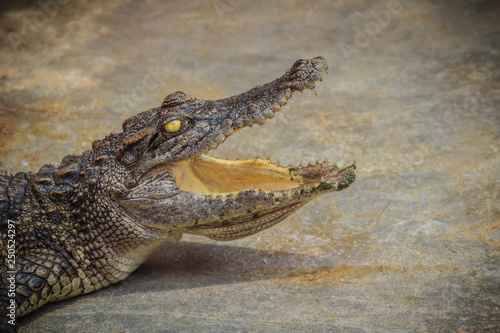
(319, 63)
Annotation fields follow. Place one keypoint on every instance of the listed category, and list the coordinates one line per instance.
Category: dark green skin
(96, 217)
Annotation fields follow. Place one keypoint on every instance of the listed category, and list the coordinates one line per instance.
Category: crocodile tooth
(263, 128)
(259, 118)
(268, 113)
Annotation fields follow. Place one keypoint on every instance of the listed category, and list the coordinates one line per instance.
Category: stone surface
(412, 96)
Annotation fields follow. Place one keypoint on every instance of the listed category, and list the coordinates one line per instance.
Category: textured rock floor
(413, 96)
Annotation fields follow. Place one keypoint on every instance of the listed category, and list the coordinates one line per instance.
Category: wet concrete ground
(413, 96)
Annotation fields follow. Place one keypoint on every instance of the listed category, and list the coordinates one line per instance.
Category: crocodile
(79, 226)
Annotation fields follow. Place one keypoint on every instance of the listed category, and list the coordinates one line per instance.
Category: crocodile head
(172, 187)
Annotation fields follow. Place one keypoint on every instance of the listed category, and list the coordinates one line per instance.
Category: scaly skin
(95, 218)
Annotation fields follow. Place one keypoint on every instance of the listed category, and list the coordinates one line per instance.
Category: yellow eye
(173, 126)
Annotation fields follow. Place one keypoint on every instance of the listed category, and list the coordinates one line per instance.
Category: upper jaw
(215, 121)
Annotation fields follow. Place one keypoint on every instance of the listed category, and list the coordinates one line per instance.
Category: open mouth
(210, 176)
(267, 191)
(213, 176)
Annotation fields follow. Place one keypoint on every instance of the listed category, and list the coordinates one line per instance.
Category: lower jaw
(245, 225)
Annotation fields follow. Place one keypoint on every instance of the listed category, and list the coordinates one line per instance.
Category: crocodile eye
(173, 126)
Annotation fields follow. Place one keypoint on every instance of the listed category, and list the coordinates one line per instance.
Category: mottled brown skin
(96, 217)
